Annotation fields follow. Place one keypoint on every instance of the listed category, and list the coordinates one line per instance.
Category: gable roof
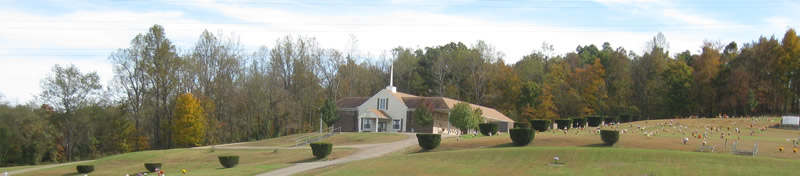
(401, 95)
(413, 101)
(416, 102)
(379, 113)
(487, 112)
(350, 102)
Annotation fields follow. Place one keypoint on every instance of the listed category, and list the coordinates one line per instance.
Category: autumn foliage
(189, 126)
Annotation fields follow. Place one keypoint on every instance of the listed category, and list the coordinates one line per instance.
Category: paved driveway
(366, 151)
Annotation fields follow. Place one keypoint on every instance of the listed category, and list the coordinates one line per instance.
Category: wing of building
(392, 111)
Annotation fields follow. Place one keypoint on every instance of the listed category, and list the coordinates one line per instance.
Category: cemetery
(633, 147)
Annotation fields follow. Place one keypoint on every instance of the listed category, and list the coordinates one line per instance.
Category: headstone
(790, 121)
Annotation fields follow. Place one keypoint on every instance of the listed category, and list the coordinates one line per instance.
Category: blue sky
(35, 35)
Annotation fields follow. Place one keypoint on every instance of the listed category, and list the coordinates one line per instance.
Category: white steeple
(391, 80)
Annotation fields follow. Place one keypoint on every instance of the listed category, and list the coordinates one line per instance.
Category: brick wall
(347, 120)
(413, 124)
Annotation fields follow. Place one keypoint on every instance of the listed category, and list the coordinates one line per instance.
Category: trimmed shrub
(488, 129)
(594, 121)
(152, 166)
(522, 125)
(321, 149)
(564, 123)
(229, 161)
(540, 124)
(429, 141)
(610, 119)
(636, 118)
(85, 169)
(522, 136)
(578, 122)
(625, 118)
(609, 136)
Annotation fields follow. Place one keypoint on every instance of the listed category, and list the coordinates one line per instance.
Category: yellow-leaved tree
(189, 126)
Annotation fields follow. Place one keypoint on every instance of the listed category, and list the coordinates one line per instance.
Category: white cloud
(262, 25)
(21, 76)
(379, 32)
(26, 43)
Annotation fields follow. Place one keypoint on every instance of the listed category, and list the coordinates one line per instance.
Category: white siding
(396, 108)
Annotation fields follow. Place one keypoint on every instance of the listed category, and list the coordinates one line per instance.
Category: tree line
(216, 92)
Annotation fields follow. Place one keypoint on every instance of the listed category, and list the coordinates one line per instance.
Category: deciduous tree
(189, 126)
(69, 90)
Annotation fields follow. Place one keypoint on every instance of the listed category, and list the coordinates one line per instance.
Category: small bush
(564, 123)
(429, 141)
(610, 119)
(625, 118)
(578, 122)
(229, 161)
(594, 121)
(488, 129)
(609, 136)
(540, 124)
(522, 136)
(522, 125)
(321, 149)
(152, 166)
(85, 169)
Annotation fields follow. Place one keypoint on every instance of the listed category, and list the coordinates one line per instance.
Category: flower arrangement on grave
(780, 149)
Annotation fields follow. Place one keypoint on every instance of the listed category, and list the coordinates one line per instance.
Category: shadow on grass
(423, 151)
(597, 145)
(312, 159)
(510, 144)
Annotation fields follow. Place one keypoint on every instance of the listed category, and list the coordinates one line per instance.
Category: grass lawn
(363, 138)
(346, 138)
(668, 138)
(579, 161)
(9, 169)
(283, 141)
(196, 161)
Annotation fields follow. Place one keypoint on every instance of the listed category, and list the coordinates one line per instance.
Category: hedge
(594, 120)
(522, 136)
(609, 136)
(488, 129)
(637, 118)
(85, 169)
(152, 166)
(578, 122)
(564, 123)
(522, 125)
(540, 124)
(625, 118)
(229, 161)
(610, 119)
(429, 141)
(321, 149)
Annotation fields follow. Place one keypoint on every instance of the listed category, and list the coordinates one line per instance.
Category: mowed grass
(283, 141)
(351, 138)
(13, 168)
(579, 161)
(346, 138)
(668, 138)
(196, 161)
